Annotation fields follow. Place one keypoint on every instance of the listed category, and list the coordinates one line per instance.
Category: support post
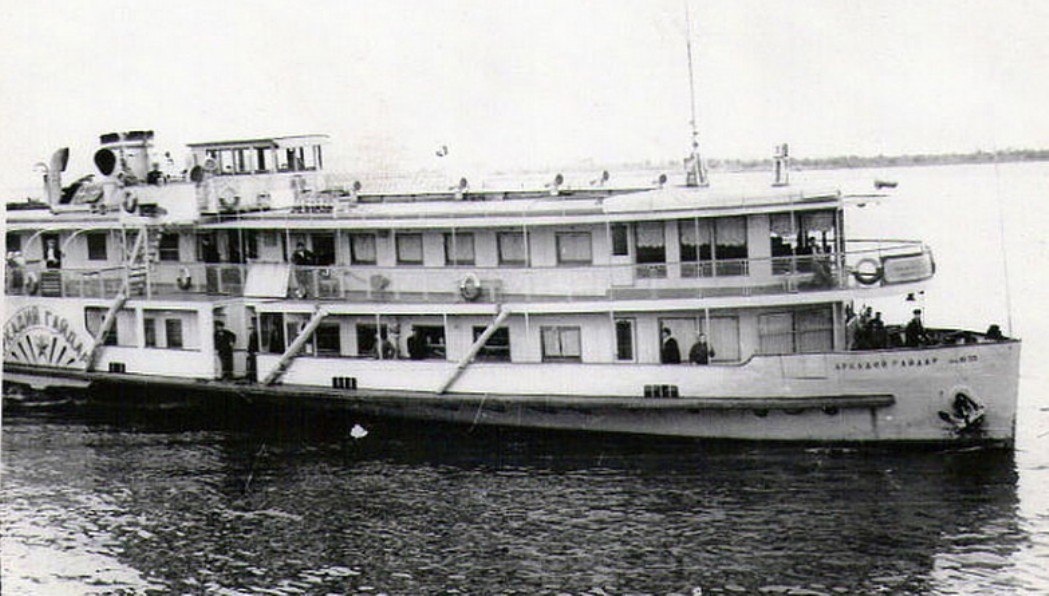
(296, 345)
(504, 313)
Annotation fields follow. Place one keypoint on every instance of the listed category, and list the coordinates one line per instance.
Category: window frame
(452, 244)
(559, 237)
(91, 238)
(422, 249)
(357, 260)
(560, 330)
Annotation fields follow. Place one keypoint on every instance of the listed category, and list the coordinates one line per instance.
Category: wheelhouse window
(562, 344)
(620, 240)
(497, 348)
(362, 249)
(797, 238)
(650, 240)
(512, 249)
(96, 246)
(169, 247)
(409, 249)
(574, 248)
(459, 249)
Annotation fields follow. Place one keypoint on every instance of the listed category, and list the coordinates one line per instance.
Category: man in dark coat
(224, 340)
(670, 353)
(701, 352)
(915, 331)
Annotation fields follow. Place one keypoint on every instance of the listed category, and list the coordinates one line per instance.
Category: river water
(222, 503)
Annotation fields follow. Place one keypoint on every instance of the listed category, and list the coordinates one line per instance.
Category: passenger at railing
(15, 272)
(876, 333)
(670, 354)
(852, 329)
(418, 348)
(915, 332)
(155, 176)
(302, 258)
(52, 255)
(224, 340)
(701, 352)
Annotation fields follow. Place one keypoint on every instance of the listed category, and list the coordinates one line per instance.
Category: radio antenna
(696, 174)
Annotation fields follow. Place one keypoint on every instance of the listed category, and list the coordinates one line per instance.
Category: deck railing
(692, 279)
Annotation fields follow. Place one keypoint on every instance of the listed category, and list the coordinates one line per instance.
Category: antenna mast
(696, 174)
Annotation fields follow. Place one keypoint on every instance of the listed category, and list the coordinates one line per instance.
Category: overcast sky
(525, 84)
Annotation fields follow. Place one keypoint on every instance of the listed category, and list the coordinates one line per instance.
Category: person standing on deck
(915, 331)
(417, 345)
(670, 353)
(224, 340)
(302, 258)
(253, 349)
(701, 352)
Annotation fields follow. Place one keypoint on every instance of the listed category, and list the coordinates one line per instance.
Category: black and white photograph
(589, 297)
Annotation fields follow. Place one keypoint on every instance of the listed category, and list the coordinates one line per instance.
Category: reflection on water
(95, 505)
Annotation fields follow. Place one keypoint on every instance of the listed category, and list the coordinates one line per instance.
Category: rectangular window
(168, 248)
(173, 333)
(562, 344)
(724, 338)
(430, 345)
(272, 332)
(93, 317)
(625, 339)
(497, 348)
(651, 249)
(459, 249)
(323, 247)
(328, 338)
(150, 330)
(695, 237)
(96, 247)
(362, 249)
(512, 248)
(409, 249)
(14, 242)
(620, 242)
(815, 330)
(776, 333)
(367, 340)
(574, 248)
(730, 245)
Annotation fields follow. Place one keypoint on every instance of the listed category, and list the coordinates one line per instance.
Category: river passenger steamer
(663, 309)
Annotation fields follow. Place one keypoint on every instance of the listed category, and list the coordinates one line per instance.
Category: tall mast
(696, 174)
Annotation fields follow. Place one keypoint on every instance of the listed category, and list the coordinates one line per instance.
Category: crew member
(224, 340)
(670, 353)
(701, 352)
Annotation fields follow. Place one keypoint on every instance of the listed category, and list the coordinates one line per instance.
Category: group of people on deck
(700, 353)
(867, 331)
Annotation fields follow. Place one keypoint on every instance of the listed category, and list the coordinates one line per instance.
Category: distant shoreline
(886, 161)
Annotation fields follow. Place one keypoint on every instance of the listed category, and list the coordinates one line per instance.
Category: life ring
(32, 284)
(130, 202)
(470, 287)
(867, 277)
(184, 280)
(229, 202)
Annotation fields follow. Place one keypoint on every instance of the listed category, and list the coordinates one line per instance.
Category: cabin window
(13, 242)
(433, 343)
(730, 246)
(328, 339)
(625, 339)
(272, 333)
(96, 246)
(803, 331)
(243, 245)
(409, 249)
(574, 248)
(362, 249)
(93, 317)
(497, 348)
(149, 326)
(323, 246)
(649, 237)
(459, 249)
(367, 340)
(173, 333)
(207, 248)
(723, 337)
(620, 241)
(783, 242)
(795, 239)
(169, 247)
(260, 159)
(512, 249)
(697, 247)
(562, 344)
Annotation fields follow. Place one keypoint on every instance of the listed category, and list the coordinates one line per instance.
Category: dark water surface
(100, 504)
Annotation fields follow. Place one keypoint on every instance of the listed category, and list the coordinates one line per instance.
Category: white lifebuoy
(470, 287)
(229, 202)
(32, 284)
(869, 277)
(184, 281)
(130, 202)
